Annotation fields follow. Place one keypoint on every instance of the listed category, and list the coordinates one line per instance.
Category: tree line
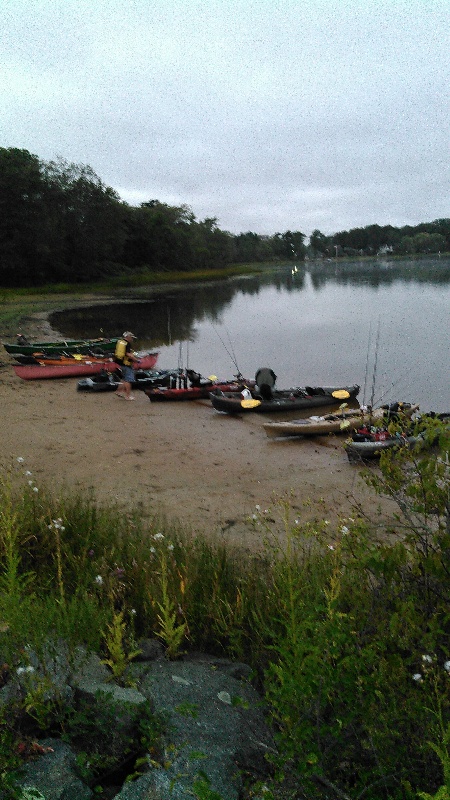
(427, 237)
(60, 223)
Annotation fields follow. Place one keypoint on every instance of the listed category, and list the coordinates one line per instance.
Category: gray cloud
(303, 114)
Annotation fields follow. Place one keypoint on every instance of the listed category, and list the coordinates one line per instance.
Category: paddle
(250, 403)
(340, 394)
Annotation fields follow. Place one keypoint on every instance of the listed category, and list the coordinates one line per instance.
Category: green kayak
(85, 346)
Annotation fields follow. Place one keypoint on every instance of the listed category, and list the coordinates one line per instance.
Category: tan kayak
(342, 422)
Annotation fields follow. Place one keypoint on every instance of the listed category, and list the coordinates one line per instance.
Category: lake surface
(382, 324)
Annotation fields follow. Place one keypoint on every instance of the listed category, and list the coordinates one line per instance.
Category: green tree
(289, 245)
(422, 242)
(22, 217)
(252, 247)
(319, 243)
(90, 218)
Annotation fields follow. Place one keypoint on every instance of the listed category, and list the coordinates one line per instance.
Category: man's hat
(128, 334)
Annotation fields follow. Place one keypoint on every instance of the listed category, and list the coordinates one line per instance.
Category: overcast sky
(267, 114)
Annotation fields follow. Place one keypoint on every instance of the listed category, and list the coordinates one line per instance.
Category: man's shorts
(127, 374)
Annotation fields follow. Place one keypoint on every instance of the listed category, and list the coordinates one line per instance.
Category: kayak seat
(265, 391)
(195, 378)
(265, 381)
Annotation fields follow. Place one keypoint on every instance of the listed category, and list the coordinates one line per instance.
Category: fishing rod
(169, 330)
(180, 366)
(375, 364)
(232, 355)
(232, 350)
(367, 364)
(392, 386)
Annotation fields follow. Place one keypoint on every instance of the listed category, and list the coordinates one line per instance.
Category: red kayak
(76, 367)
(192, 386)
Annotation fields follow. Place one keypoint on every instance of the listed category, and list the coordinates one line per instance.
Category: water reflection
(310, 324)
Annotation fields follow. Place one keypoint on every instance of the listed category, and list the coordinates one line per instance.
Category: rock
(216, 724)
(215, 732)
(151, 650)
(53, 774)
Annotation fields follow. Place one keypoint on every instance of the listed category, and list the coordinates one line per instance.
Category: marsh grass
(347, 634)
(16, 305)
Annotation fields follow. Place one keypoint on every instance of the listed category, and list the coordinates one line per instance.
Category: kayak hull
(76, 369)
(69, 346)
(348, 420)
(284, 400)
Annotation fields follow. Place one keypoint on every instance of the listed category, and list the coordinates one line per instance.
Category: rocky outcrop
(215, 732)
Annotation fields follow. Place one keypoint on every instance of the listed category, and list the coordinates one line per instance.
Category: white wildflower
(447, 666)
(158, 536)
(330, 547)
(35, 489)
(30, 483)
(326, 522)
(258, 507)
(170, 547)
(417, 677)
(28, 473)
(99, 580)
(20, 460)
(152, 550)
(344, 529)
(427, 659)
(23, 670)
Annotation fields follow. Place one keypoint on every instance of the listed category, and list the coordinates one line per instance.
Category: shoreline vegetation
(346, 630)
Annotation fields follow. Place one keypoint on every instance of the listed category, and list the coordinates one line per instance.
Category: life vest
(121, 353)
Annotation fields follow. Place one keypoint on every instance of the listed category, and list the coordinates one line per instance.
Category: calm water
(384, 325)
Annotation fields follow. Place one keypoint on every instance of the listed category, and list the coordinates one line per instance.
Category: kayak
(108, 381)
(24, 347)
(62, 359)
(294, 399)
(362, 448)
(339, 422)
(76, 367)
(369, 442)
(192, 386)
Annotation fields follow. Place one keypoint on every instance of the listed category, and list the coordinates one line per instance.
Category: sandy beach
(190, 463)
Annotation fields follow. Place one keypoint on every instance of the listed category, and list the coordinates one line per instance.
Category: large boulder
(215, 733)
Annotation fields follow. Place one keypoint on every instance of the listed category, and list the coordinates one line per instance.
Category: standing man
(124, 356)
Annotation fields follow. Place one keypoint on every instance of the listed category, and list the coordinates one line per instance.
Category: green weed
(170, 631)
(119, 658)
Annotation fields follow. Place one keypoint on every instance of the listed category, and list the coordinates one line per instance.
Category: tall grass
(347, 633)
